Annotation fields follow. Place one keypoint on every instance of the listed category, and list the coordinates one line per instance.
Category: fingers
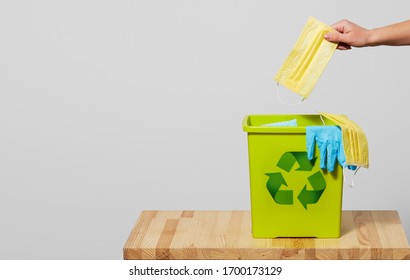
(331, 156)
(348, 35)
(334, 37)
(343, 46)
(339, 38)
(323, 150)
(341, 157)
(341, 26)
(310, 143)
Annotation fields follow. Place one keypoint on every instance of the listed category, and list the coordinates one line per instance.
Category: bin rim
(272, 129)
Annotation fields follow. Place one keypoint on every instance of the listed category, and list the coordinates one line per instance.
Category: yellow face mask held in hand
(307, 60)
(354, 140)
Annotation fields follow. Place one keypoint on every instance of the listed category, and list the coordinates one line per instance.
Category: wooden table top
(227, 235)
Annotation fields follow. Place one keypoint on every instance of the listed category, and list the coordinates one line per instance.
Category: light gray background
(111, 107)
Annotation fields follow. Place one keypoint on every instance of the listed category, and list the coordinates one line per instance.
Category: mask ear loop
(354, 174)
(323, 121)
(283, 102)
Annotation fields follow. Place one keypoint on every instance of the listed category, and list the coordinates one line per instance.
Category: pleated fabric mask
(354, 140)
(307, 60)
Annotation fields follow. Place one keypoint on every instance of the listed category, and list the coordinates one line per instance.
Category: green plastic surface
(290, 195)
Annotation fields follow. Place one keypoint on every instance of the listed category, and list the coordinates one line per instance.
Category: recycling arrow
(289, 159)
(318, 184)
(274, 183)
(286, 163)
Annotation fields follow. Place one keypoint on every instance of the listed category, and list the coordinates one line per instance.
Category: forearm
(397, 34)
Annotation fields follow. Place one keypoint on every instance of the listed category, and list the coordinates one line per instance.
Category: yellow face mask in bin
(354, 140)
(307, 60)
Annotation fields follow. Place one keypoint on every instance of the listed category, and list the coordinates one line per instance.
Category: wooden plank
(137, 234)
(227, 235)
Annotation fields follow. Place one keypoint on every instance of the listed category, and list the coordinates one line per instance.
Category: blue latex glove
(285, 123)
(330, 144)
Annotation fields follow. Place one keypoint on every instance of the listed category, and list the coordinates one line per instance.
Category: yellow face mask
(354, 140)
(307, 60)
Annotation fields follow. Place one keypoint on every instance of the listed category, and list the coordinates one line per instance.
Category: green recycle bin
(290, 195)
